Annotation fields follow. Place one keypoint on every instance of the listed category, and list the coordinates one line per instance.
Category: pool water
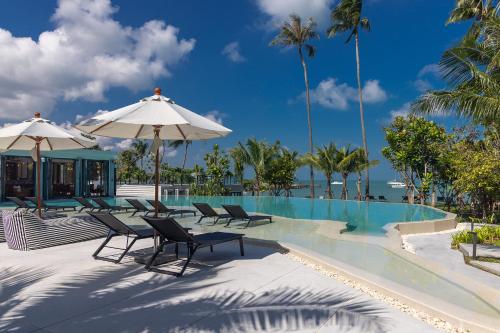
(363, 217)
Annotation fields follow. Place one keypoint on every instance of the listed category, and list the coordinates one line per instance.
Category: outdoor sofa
(25, 231)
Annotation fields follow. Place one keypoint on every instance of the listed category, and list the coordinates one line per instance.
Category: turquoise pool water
(365, 217)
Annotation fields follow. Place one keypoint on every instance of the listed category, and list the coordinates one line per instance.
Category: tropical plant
(346, 17)
(140, 150)
(485, 235)
(471, 69)
(238, 156)
(176, 144)
(324, 161)
(217, 163)
(258, 155)
(280, 174)
(296, 34)
(362, 164)
(346, 164)
(126, 165)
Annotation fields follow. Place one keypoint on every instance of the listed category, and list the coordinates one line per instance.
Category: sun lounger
(172, 232)
(118, 228)
(50, 207)
(370, 197)
(85, 204)
(382, 198)
(103, 205)
(20, 204)
(139, 207)
(405, 198)
(238, 213)
(25, 231)
(170, 211)
(207, 211)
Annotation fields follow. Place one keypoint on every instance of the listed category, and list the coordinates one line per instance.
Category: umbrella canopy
(156, 117)
(139, 120)
(40, 134)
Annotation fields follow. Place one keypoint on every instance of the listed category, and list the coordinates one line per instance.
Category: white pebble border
(425, 317)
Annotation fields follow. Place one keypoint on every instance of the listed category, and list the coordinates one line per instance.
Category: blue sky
(70, 59)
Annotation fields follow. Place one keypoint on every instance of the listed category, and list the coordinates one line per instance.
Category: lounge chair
(405, 198)
(382, 198)
(49, 207)
(20, 204)
(139, 207)
(238, 213)
(207, 211)
(85, 204)
(118, 228)
(172, 232)
(370, 197)
(25, 231)
(103, 205)
(170, 211)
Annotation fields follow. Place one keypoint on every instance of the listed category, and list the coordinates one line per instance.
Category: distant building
(65, 173)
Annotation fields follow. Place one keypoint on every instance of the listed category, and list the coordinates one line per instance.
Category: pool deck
(62, 289)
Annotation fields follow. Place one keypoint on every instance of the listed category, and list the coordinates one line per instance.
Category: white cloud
(432, 69)
(215, 115)
(332, 95)
(124, 144)
(87, 53)
(422, 85)
(233, 53)
(278, 11)
(403, 111)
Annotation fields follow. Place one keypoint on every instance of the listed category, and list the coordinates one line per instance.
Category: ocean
(377, 187)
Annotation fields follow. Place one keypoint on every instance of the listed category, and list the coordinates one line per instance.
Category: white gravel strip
(425, 317)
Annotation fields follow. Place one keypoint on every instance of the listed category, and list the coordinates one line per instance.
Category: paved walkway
(437, 247)
(62, 289)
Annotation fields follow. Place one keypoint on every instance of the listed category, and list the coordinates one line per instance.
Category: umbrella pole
(38, 184)
(157, 170)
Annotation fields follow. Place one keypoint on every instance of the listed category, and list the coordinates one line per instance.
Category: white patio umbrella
(158, 118)
(38, 134)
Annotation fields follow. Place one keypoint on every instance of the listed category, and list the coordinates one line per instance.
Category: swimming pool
(365, 217)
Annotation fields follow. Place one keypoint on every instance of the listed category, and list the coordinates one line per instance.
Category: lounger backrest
(34, 200)
(205, 209)
(113, 223)
(236, 211)
(101, 202)
(161, 207)
(169, 228)
(136, 204)
(84, 202)
(18, 202)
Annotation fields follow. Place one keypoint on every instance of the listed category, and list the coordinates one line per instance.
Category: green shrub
(485, 235)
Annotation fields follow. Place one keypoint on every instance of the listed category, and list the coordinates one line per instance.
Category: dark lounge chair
(50, 207)
(238, 213)
(21, 204)
(162, 209)
(118, 228)
(405, 198)
(103, 205)
(139, 207)
(382, 198)
(207, 211)
(172, 232)
(85, 204)
(369, 197)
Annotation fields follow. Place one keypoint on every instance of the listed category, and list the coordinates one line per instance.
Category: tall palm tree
(176, 144)
(473, 9)
(237, 155)
(346, 17)
(325, 161)
(346, 164)
(140, 149)
(258, 155)
(296, 34)
(360, 165)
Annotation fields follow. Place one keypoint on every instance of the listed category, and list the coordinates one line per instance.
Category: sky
(70, 59)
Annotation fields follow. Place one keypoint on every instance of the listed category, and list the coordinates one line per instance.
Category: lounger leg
(229, 222)
(176, 250)
(201, 218)
(106, 241)
(242, 250)
(153, 257)
(190, 256)
(248, 223)
(83, 207)
(211, 248)
(126, 251)
(135, 212)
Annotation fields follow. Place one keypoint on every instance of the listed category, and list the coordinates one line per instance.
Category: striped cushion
(24, 231)
(2, 233)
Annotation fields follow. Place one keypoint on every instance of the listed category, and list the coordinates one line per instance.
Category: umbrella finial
(157, 91)
(37, 114)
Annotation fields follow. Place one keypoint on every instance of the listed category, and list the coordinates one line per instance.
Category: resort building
(64, 174)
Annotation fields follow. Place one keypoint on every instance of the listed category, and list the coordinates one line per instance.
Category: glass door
(97, 183)
(19, 177)
(63, 178)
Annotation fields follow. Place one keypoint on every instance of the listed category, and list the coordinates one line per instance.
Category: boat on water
(336, 182)
(396, 184)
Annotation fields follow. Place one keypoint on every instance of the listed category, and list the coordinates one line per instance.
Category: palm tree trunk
(329, 186)
(185, 155)
(358, 184)
(309, 125)
(344, 186)
(362, 117)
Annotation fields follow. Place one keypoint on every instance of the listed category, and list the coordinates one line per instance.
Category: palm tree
(360, 165)
(237, 155)
(140, 149)
(346, 164)
(346, 17)
(258, 155)
(298, 35)
(325, 161)
(473, 9)
(176, 144)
